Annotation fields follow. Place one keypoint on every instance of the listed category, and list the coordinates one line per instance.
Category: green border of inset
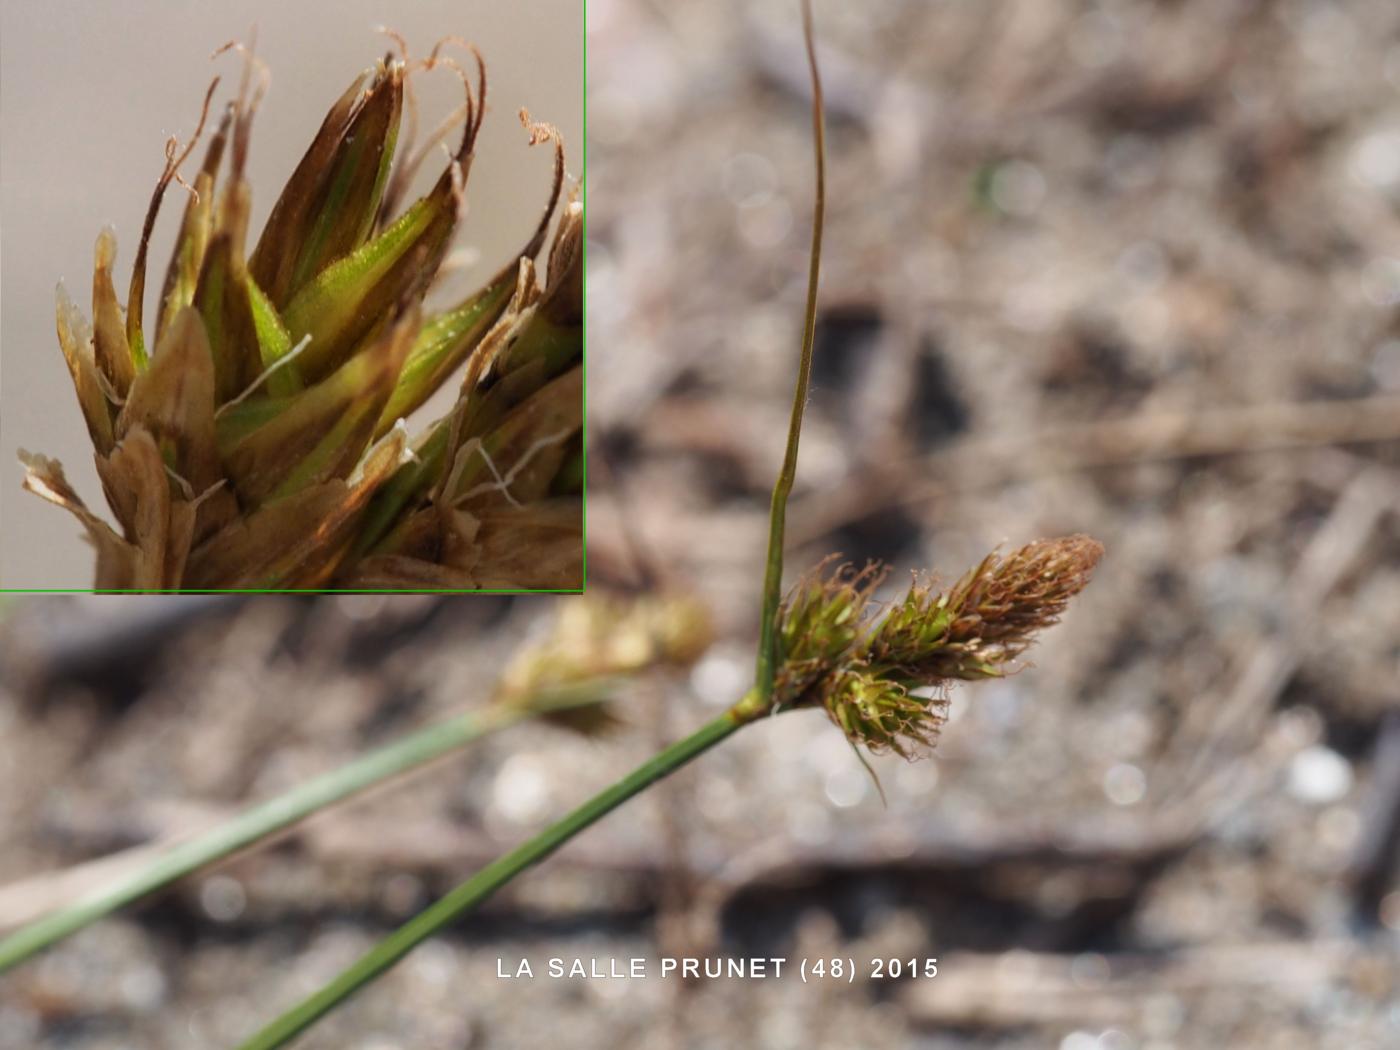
(583, 197)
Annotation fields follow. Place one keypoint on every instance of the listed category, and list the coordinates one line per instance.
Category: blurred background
(89, 93)
(1128, 268)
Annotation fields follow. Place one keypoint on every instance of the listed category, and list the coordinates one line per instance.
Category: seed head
(880, 712)
(885, 683)
(819, 625)
(989, 617)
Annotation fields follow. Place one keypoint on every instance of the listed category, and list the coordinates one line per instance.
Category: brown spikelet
(990, 616)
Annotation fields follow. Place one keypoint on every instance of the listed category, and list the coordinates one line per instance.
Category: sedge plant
(252, 434)
(881, 676)
(568, 677)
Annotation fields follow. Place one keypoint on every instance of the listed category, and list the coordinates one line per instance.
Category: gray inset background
(89, 92)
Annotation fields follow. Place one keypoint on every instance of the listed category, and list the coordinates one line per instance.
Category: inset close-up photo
(342, 347)
(992, 620)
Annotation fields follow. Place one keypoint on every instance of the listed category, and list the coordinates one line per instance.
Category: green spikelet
(255, 437)
(884, 683)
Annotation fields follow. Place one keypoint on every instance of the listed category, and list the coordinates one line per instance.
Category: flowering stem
(485, 882)
(413, 751)
(777, 517)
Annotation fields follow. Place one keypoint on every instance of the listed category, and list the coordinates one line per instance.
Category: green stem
(777, 515)
(485, 882)
(412, 751)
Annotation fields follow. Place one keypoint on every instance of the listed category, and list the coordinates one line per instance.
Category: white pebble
(222, 898)
(1125, 784)
(520, 790)
(1375, 161)
(846, 787)
(1319, 775)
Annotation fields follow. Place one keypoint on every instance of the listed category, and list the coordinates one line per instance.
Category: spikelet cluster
(884, 681)
(819, 626)
(253, 434)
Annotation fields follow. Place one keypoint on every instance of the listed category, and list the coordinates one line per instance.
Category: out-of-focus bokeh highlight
(89, 93)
